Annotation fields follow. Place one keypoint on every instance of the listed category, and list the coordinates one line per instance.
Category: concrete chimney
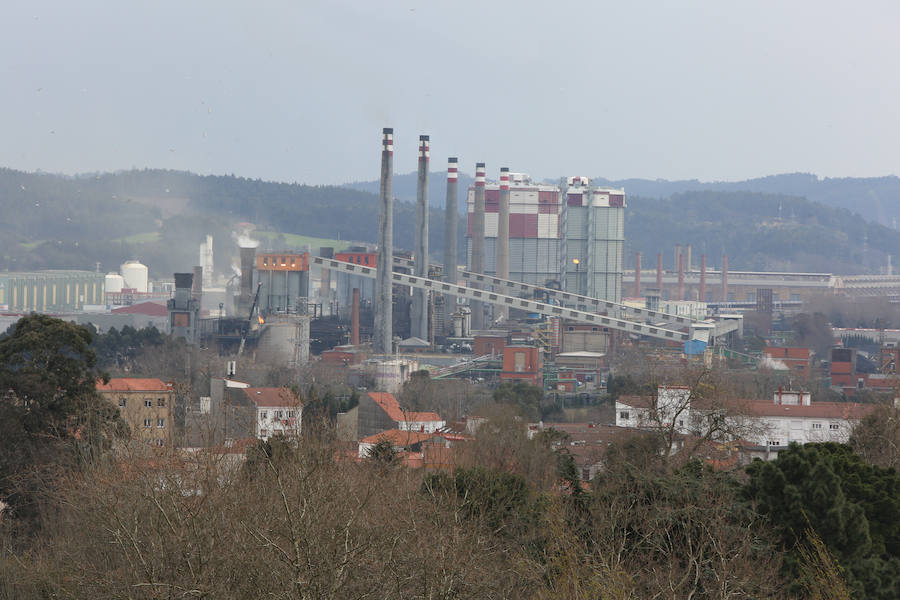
(354, 318)
(680, 277)
(724, 278)
(659, 272)
(384, 314)
(197, 286)
(503, 234)
(451, 251)
(688, 262)
(420, 269)
(675, 257)
(248, 261)
(701, 293)
(637, 275)
(478, 241)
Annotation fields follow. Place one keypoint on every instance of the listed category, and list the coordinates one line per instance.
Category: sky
(299, 90)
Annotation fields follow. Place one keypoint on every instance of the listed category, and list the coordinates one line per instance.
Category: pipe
(354, 318)
(478, 241)
(659, 272)
(637, 275)
(503, 234)
(724, 278)
(420, 269)
(451, 251)
(384, 313)
(701, 293)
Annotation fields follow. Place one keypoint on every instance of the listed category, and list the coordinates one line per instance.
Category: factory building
(534, 211)
(575, 239)
(285, 282)
(50, 291)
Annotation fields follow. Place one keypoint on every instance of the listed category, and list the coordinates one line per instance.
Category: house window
(263, 414)
(160, 401)
(122, 402)
(624, 415)
(774, 443)
(265, 260)
(148, 422)
(160, 442)
(279, 414)
(148, 403)
(817, 426)
(833, 426)
(160, 422)
(263, 433)
(681, 422)
(291, 414)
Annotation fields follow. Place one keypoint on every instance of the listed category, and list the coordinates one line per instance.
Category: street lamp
(577, 275)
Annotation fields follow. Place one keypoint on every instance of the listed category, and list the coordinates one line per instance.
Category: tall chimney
(637, 275)
(420, 299)
(384, 314)
(248, 260)
(701, 293)
(724, 278)
(451, 252)
(478, 242)
(659, 272)
(675, 257)
(197, 286)
(354, 318)
(688, 263)
(681, 277)
(503, 233)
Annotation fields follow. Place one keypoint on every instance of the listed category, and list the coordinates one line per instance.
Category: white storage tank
(136, 275)
(114, 283)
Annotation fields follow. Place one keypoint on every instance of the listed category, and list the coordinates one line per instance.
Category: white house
(275, 410)
(791, 416)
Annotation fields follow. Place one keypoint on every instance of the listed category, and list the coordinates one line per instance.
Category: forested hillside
(160, 217)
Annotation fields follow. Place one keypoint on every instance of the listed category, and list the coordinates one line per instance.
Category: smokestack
(384, 314)
(354, 319)
(701, 293)
(659, 272)
(451, 252)
(681, 276)
(478, 242)
(503, 233)
(420, 269)
(197, 287)
(675, 257)
(183, 290)
(724, 278)
(325, 287)
(637, 275)
(688, 264)
(248, 260)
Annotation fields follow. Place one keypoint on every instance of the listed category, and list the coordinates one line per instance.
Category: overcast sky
(299, 90)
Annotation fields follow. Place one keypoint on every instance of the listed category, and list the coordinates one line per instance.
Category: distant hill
(404, 187)
(875, 198)
(160, 217)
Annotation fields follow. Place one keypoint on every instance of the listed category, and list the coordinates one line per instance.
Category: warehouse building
(50, 291)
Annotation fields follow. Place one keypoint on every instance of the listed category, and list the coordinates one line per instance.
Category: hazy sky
(299, 90)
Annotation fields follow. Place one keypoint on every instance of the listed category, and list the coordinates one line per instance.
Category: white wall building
(791, 416)
(277, 411)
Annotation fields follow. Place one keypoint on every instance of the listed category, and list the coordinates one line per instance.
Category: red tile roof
(271, 396)
(389, 404)
(398, 437)
(133, 384)
(821, 410)
(151, 309)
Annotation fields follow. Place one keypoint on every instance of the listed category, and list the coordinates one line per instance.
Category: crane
(246, 328)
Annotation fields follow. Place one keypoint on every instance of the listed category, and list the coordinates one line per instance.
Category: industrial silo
(114, 282)
(136, 275)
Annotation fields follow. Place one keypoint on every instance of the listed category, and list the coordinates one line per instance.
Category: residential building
(380, 411)
(276, 411)
(146, 405)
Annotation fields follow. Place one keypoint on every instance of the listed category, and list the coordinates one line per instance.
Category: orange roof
(389, 404)
(129, 384)
(820, 410)
(271, 396)
(398, 437)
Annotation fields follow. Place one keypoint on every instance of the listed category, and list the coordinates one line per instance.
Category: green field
(293, 241)
(140, 238)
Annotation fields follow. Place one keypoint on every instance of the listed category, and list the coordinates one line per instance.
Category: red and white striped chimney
(384, 312)
(477, 265)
